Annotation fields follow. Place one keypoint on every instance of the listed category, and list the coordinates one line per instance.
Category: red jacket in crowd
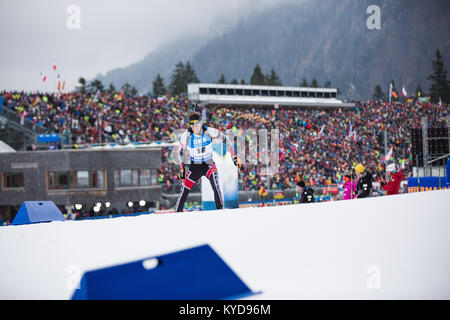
(393, 186)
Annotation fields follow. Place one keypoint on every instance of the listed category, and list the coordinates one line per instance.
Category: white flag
(390, 92)
(321, 131)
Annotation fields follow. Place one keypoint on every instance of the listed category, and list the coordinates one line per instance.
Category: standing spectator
(349, 186)
(306, 193)
(364, 184)
(395, 179)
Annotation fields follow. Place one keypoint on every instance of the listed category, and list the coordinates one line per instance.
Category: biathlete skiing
(197, 140)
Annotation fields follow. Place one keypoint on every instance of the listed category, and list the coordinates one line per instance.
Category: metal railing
(22, 124)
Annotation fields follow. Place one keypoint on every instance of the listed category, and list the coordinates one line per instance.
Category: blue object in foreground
(193, 274)
(37, 211)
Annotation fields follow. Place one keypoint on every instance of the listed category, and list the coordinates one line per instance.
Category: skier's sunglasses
(193, 122)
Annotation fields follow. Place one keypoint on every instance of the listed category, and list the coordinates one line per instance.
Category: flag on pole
(440, 102)
(97, 94)
(390, 92)
(388, 156)
(22, 117)
(43, 77)
(36, 100)
(395, 94)
(59, 81)
(404, 92)
(54, 65)
(321, 130)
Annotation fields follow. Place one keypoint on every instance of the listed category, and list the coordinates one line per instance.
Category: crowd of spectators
(316, 145)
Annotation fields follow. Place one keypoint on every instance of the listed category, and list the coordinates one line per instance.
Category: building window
(255, 93)
(319, 95)
(135, 177)
(144, 177)
(327, 94)
(272, 93)
(333, 94)
(304, 94)
(73, 180)
(230, 92)
(239, 92)
(296, 94)
(13, 180)
(311, 94)
(280, 93)
(203, 91)
(222, 91)
(247, 92)
(289, 93)
(212, 91)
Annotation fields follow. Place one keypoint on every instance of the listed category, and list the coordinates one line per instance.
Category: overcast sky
(111, 34)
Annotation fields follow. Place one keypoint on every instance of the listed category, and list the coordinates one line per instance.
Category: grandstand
(210, 94)
(317, 145)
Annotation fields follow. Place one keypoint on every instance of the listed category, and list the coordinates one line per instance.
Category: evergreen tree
(222, 79)
(190, 74)
(111, 88)
(243, 81)
(440, 87)
(181, 77)
(378, 94)
(304, 83)
(95, 85)
(178, 79)
(234, 81)
(314, 83)
(159, 89)
(257, 77)
(133, 91)
(126, 89)
(273, 79)
(82, 87)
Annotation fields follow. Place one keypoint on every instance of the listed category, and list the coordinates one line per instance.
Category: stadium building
(121, 180)
(211, 94)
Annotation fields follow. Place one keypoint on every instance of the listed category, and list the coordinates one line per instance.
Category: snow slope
(395, 247)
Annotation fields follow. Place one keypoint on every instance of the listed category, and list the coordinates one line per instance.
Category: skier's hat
(194, 117)
(301, 184)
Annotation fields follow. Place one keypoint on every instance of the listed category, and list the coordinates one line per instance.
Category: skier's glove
(237, 161)
(182, 174)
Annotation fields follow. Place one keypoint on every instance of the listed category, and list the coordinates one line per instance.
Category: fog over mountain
(328, 40)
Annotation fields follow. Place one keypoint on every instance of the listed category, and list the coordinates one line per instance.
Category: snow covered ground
(394, 247)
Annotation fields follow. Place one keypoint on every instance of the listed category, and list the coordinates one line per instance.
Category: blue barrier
(111, 216)
(427, 184)
(197, 273)
(37, 211)
(48, 138)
